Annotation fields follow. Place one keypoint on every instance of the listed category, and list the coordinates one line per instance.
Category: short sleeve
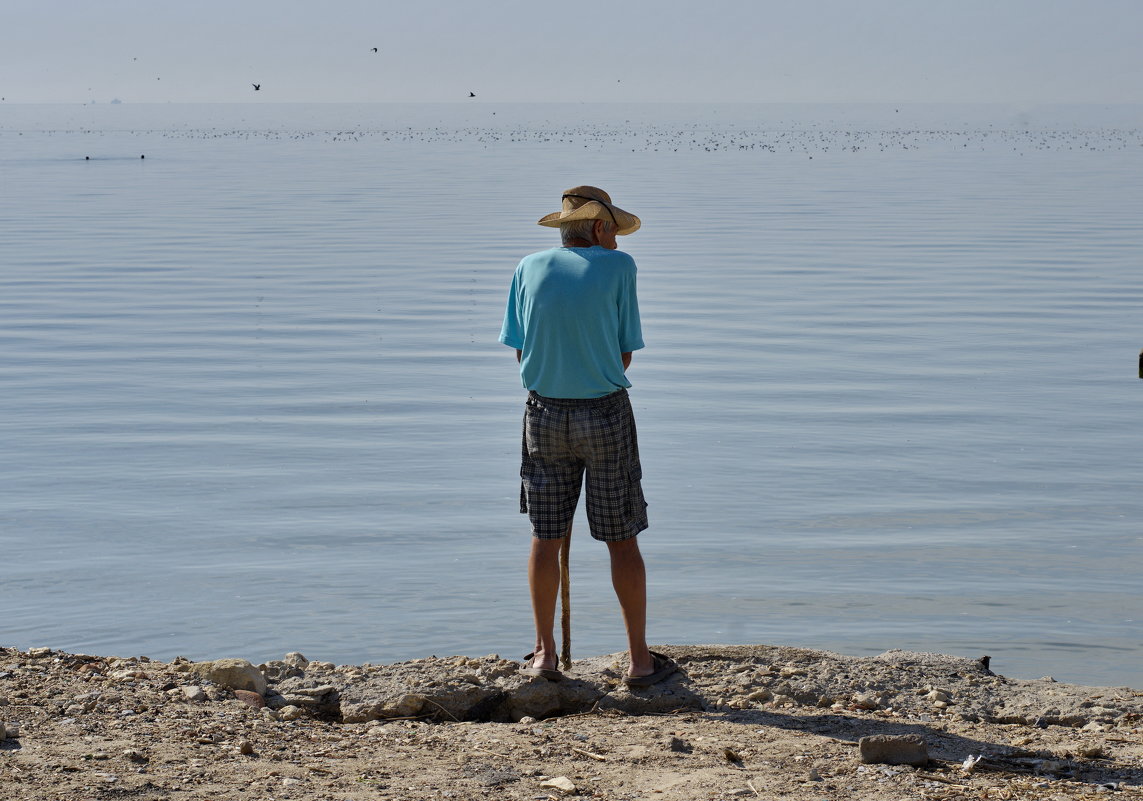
(512, 331)
(630, 326)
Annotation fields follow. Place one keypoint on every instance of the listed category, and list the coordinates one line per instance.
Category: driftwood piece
(565, 601)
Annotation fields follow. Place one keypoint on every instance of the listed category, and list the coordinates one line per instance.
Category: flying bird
(472, 94)
(256, 86)
(375, 50)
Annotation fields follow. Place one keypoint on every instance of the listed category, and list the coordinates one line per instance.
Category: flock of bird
(714, 137)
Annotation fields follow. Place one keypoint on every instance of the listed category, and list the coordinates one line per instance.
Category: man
(573, 318)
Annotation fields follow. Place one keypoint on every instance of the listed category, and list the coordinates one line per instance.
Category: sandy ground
(747, 722)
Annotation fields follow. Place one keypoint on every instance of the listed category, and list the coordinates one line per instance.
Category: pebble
(250, 698)
(290, 713)
(127, 675)
(194, 693)
(561, 783)
(295, 659)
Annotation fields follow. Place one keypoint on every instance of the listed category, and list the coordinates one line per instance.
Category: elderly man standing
(573, 318)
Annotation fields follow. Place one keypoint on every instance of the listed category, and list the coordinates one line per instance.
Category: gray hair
(583, 229)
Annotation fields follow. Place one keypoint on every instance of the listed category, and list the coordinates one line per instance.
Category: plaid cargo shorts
(563, 439)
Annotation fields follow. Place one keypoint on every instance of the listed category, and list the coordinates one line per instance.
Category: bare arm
(519, 354)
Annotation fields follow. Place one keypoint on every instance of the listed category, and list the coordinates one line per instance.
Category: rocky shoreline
(736, 721)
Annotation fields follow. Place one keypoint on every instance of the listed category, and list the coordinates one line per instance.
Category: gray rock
(526, 697)
(194, 693)
(887, 749)
(868, 700)
(561, 783)
(310, 696)
(296, 660)
(289, 713)
(237, 674)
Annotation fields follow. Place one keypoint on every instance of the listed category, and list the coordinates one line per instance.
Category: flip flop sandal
(664, 667)
(543, 673)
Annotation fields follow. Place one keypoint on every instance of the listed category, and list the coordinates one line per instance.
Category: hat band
(597, 200)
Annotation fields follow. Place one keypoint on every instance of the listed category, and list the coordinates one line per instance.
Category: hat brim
(626, 222)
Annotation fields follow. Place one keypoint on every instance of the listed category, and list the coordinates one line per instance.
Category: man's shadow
(947, 747)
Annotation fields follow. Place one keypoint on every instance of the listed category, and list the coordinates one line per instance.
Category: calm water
(252, 399)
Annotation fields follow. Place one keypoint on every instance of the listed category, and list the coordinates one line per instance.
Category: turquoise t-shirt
(573, 312)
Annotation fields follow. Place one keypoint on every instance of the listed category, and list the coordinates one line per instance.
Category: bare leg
(544, 584)
(629, 577)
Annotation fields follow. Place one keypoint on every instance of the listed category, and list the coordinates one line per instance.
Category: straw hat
(591, 203)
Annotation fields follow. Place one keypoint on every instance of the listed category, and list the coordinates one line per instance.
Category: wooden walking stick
(565, 601)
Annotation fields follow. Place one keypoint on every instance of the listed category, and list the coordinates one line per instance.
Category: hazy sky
(1013, 51)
